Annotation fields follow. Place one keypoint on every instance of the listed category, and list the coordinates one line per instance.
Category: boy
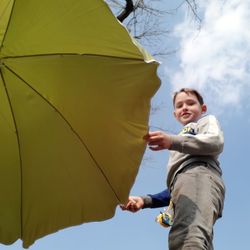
(194, 174)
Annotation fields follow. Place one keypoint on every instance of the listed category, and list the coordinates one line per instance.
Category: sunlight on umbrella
(75, 94)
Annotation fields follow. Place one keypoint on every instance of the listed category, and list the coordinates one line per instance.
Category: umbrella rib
(71, 54)
(19, 151)
(73, 130)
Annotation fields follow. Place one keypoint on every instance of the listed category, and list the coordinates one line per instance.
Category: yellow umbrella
(75, 94)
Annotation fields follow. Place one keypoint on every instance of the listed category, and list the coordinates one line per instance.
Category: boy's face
(187, 108)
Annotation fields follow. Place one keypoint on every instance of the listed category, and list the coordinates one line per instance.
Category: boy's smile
(187, 108)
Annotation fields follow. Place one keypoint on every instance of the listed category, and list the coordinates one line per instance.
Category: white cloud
(216, 59)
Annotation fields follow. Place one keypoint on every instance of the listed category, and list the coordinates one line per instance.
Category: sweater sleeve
(208, 140)
(161, 199)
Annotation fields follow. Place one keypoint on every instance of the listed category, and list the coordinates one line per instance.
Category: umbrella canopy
(75, 94)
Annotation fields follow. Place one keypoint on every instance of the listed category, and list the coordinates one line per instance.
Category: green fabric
(75, 94)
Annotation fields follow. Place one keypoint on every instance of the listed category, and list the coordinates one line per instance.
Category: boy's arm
(135, 203)
(161, 199)
(208, 140)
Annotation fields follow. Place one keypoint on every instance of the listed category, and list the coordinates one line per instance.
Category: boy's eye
(190, 103)
(178, 106)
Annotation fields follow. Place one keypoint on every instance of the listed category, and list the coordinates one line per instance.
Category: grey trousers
(198, 197)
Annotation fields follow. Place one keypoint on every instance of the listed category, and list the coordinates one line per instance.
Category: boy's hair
(189, 91)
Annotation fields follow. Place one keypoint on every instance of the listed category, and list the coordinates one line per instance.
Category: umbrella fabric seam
(19, 151)
(73, 54)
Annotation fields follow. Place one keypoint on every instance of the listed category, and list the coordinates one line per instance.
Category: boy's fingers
(132, 205)
(152, 139)
(157, 148)
(155, 142)
(122, 207)
(125, 207)
(151, 134)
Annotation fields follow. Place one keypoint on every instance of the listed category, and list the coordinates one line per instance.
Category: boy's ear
(203, 108)
(174, 114)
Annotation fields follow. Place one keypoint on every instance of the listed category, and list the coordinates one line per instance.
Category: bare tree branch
(146, 21)
(126, 11)
(193, 7)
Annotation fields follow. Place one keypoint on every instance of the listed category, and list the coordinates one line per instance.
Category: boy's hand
(134, 204)
(158, 140)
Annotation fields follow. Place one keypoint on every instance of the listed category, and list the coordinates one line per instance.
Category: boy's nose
(184, 107)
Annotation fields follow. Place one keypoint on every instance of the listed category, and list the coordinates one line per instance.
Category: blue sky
(214, 59)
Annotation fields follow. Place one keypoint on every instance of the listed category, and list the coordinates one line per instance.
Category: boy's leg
(198, 196)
